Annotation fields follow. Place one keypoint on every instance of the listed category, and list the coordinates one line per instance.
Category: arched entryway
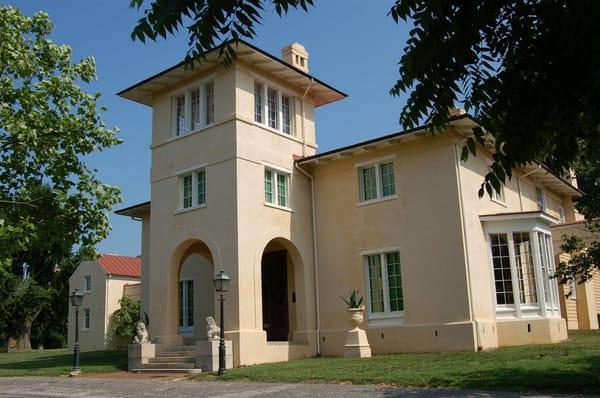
(195, 292)
(280, 265)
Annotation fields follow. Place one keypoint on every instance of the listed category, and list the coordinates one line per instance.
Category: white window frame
(277, 171)
(194, 173)
(265, 108)
(376, 163)
(87, 280)
(543, 206)
(387, 317)
(572, 289)
(518, 310)
(87, 319)
(561, 213)
(499, 196)
(202, 117)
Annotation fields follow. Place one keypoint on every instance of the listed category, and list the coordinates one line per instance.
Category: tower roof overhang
(321, 93)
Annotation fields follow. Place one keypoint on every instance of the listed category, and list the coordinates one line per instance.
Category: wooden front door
(274, 296)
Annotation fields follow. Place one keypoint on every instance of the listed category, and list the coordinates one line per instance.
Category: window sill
(284, 208)
(280, 133)
(187, 209)
(85, 330)
(499, 202)
(176, 137)
(372, 201)
(386, 321)
(86, 291)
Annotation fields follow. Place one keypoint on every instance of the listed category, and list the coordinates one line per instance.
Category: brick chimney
(296, 55)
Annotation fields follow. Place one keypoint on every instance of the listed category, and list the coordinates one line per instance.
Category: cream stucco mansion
(237, 185)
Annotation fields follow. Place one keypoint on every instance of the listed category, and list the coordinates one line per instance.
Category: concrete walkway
(124, 388)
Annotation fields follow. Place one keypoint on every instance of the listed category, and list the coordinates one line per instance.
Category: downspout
(519, 184)
(315, 254)
(466, 249)
(303, 116)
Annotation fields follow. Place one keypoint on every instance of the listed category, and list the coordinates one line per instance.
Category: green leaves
(515, 66)
(53, 208)
(124, 319)
(208, 22)
(354, 300)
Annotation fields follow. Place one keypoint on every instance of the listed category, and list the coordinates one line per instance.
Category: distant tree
(125, 318)
(53, 208)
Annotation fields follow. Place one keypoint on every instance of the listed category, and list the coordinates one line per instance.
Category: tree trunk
(23, 342)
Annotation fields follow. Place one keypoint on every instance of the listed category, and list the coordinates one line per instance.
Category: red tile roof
(121, 265)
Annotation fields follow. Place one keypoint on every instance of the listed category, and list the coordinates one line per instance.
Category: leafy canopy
(53, 208)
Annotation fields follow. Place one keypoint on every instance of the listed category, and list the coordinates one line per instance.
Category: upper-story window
(86, 318)
(192, 189)
(87, 283)
(194, 108)
(274, 108)
(498, 195)
(376, 181)
(276, 187)
(561, 214)
(540, 198)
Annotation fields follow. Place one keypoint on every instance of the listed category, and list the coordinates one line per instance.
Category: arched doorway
(279, 265)
(195, 292)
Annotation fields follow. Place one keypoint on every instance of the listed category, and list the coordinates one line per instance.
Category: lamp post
(221, 283)
(76, 300)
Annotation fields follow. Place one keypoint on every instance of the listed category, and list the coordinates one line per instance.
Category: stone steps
(169, 365)
(166, 370)
(176, 354)
(172, 359)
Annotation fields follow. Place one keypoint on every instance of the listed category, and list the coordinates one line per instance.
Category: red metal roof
(121, 265)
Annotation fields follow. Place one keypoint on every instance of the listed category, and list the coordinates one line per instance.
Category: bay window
(522, 265)
(193, 109)
(274, 108)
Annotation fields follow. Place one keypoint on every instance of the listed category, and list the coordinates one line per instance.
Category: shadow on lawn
(106, 359)
(582, 377)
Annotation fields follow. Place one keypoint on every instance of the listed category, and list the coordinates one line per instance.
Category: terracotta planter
(356, 316)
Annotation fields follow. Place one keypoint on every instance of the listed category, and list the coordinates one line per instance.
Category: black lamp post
(221, 282)
(76, 300)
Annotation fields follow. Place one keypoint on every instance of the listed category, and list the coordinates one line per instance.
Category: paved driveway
(97, 388)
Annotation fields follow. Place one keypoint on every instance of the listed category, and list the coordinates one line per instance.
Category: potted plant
(355, 308)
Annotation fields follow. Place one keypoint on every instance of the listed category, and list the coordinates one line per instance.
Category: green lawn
(59, 362)
(569, 367)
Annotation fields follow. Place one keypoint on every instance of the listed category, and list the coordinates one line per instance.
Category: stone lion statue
(212, 329)
(141, 333)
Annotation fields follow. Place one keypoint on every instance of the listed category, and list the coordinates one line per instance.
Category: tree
(53, 208)
(125, 318)
(527, 70)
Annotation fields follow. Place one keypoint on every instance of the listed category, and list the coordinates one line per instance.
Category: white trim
(186, 91)
(185, 210)
(280, 91)
(375, 161)
(275, 206)
(368, 252)
(276, 167)
(191, 169)
(372, 201)
(520, 216)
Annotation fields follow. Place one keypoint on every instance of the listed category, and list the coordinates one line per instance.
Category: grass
(569, 367)
(59, 362)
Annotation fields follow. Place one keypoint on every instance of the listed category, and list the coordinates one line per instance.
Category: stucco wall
(94, 338)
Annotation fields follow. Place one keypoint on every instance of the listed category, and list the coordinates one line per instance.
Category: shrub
(125, 318)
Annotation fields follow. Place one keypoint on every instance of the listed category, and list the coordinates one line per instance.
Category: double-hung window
(192, 189)
(86, 318)
(87, 283)
(540, 198)
(274, 108)
(498, 195)
(384, 284)
(376, 181)
(193, 108)
(277, 187)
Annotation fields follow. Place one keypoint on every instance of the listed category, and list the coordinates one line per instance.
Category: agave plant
(353, 300)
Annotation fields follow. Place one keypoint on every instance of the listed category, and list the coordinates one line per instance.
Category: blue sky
(352, 44)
